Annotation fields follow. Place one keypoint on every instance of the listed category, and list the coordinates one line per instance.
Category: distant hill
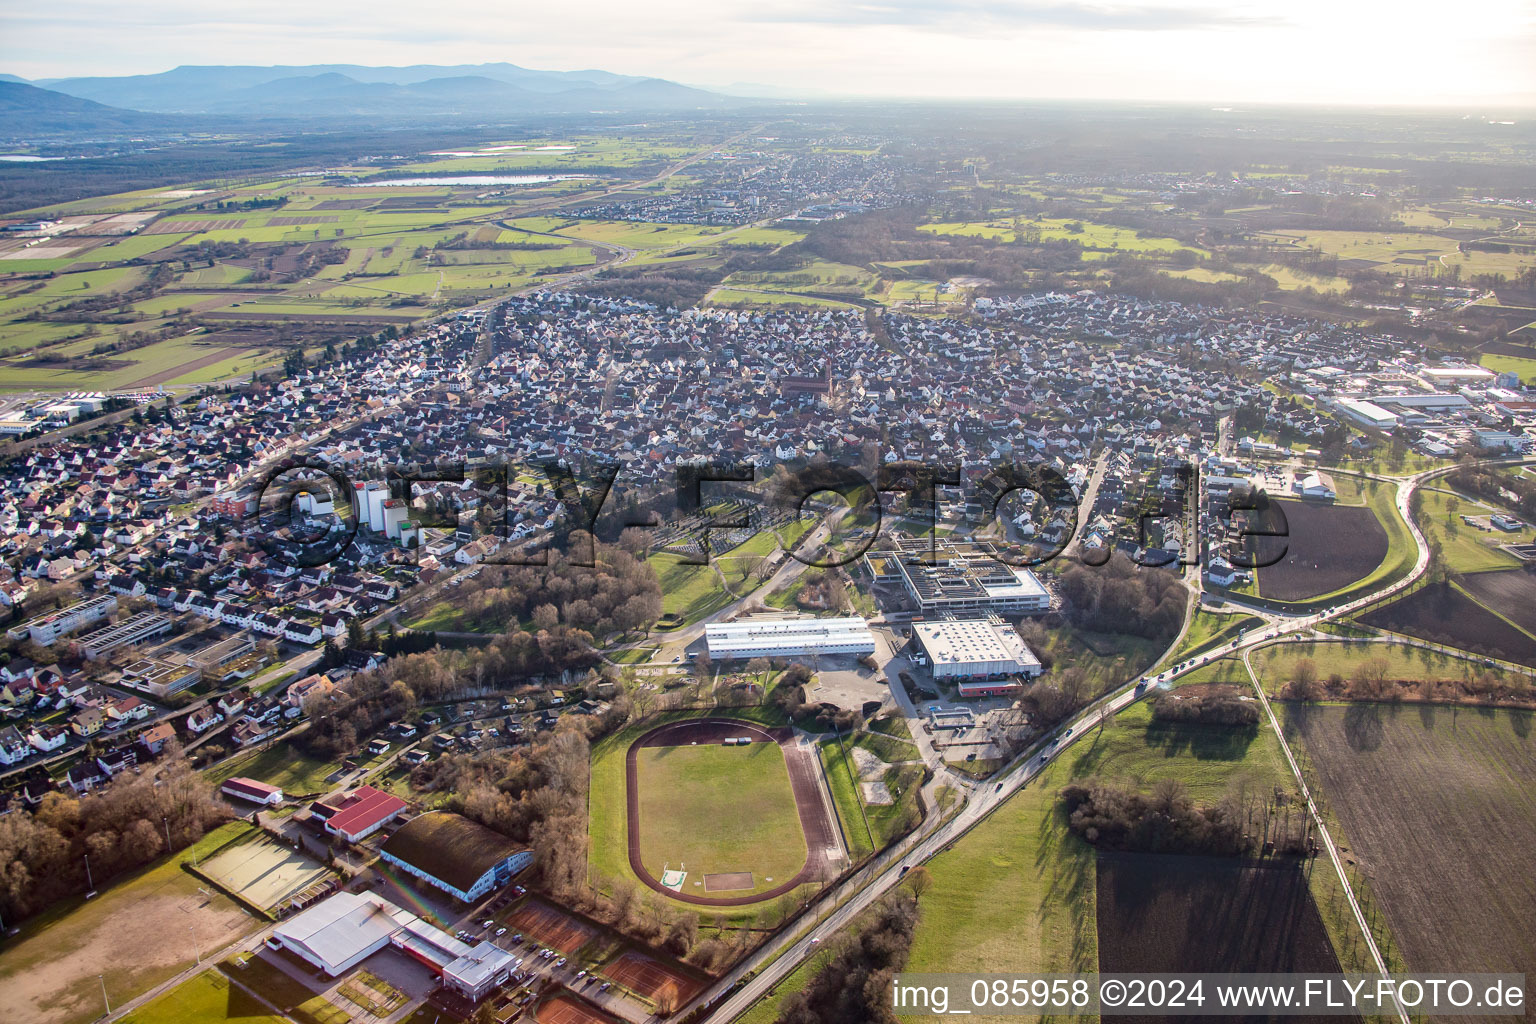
(28, 110)
(349, 90)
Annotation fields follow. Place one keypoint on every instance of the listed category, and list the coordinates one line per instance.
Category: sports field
(207, 998)
(263, 871)
(712, 809)
(648, 977)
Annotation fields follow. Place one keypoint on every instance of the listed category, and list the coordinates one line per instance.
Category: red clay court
(652, 979)
(565, 1010)
(551, 927)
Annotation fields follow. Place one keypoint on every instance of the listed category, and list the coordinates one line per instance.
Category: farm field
(1438, 806)
(817, 279)
(1290, 279)
(327, 257)
(1020, 888)
(1171, 913)
(1442, 613)
(718, 810)
(48, 973)
(1511, 593)
(1102, 238)
(1404, 251)
(1328, 547)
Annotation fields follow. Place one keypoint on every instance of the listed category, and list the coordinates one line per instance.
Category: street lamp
(103, 981)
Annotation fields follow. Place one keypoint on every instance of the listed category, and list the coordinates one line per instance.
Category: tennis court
(263, 871)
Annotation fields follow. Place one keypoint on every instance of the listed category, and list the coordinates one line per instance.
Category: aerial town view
(801, 514)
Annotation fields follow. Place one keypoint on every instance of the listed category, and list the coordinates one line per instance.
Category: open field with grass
(842, 777)
(280, 989)
(1437, 806)
(1210, 629)
(1464, 547)
(718, 809)
(48, 972)
(278, 765)
(1276, 664)
(1103, 238)
(1526, 368)
(207, 998)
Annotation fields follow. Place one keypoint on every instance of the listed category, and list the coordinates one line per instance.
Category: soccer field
(712, 809)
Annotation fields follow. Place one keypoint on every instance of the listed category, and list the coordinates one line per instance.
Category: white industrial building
(971, 649)
(1367, 414)
(341, 932)
(786, 638)
(345, 929)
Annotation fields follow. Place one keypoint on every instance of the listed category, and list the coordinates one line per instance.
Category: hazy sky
(1340, 51)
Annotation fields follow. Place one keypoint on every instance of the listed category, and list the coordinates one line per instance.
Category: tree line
(1111, 816)
(71, 843)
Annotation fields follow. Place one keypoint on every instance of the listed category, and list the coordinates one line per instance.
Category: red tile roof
(249, 788)
(362, 809)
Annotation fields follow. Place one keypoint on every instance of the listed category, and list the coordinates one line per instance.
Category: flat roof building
(46, 629)
(973, 584)
(345, 929)
(785, 638)
(1367, 413)
(135, 630)
(975, 649)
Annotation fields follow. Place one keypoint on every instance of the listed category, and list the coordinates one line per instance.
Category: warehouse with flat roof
(973, 651)
(787, 638)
